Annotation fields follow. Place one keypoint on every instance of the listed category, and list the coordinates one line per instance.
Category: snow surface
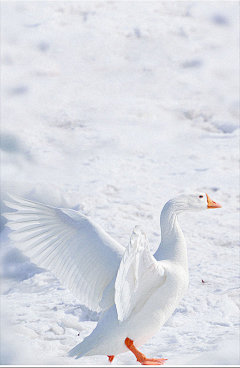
(112, 108)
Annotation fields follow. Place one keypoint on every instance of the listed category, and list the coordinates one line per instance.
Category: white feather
(138, 275)
(79, 252)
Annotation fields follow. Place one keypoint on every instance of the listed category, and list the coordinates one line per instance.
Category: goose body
(108, 338)
(136, 291)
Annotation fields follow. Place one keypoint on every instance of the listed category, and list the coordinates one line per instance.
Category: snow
(112, 108)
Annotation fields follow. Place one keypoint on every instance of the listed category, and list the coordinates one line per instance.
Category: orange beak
(211, 203)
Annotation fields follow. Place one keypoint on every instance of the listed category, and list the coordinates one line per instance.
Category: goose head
(191, 202)
(199, 201)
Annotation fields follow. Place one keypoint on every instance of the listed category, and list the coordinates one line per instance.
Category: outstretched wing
(78, 252)
(138, 277)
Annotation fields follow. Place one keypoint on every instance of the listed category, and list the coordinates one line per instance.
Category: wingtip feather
(12, 196)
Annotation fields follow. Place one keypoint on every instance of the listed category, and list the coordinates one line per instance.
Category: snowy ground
(112, 108)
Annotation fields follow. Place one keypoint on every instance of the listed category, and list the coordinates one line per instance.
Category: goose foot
(153, 361)
(141, 358)
(110, 358)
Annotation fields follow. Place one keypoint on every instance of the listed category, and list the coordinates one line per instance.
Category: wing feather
(138, 277)
(79, 252)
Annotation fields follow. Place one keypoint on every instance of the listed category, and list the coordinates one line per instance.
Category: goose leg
(110, 358)
(141, 357)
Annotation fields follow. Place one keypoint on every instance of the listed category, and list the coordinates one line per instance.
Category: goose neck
(169, 223)
(172, 246)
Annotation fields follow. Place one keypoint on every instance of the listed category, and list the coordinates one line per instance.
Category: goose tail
(81, 349)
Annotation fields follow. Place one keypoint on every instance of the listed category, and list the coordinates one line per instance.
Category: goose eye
(201, 196)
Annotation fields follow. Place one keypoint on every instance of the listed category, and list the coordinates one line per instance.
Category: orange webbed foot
(110, 358)
(149, 361)
(141, 358)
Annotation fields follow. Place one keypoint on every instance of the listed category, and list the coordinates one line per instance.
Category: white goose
(136, 291)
